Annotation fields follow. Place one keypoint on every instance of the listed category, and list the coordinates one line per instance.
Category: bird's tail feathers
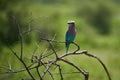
(67, 47)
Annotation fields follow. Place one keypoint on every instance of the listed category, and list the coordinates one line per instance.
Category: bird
(70, 34)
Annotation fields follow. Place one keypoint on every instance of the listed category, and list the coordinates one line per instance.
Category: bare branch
(60, 70)
(21, 50)
(90, 55)
(47, 69)
(20, 35)
(37, 62)
(67, 73)
(17, 71)
(105, 68)
(37, 69)
(52, 46)
(78, 47)
(85, 73)
(53, 50)
(13, 52)
(27, 69)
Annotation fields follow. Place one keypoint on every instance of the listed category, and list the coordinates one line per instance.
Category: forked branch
(41, 61)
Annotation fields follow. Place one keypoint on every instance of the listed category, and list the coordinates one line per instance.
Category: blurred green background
(98, 31)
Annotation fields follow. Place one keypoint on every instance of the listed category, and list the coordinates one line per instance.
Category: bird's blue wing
(69, 39)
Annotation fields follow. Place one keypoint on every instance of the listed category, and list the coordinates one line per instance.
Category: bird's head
(71, 23)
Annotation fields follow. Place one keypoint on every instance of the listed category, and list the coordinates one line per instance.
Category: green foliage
(98, 15)
(97, 24)
(8, 30)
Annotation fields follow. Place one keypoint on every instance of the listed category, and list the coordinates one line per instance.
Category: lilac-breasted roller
(70, 34)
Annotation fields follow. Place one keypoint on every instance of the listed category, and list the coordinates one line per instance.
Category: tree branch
(20, 35)
(105, 68)
(60, 70)
(41, 61)
(85, 73)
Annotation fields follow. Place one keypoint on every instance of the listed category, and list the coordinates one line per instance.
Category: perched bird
(70, 34)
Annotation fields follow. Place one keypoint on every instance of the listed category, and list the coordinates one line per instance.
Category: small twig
(13, 52)
(90, 55)
(21, 62)
(50, 40)
(37, 69)
(67, 73)
(78, 47)
(45, 56)
(50, 43)
(5, 67)
(20, 35)
(17, 71)
(27, 69)
(52, 46)
(53, 50)
(105, 68)
(60, 71)
(48, 67)
(48, 71)
(86, 74)
(33, 54)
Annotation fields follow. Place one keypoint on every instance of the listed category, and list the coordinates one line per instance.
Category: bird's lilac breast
(71, 33)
